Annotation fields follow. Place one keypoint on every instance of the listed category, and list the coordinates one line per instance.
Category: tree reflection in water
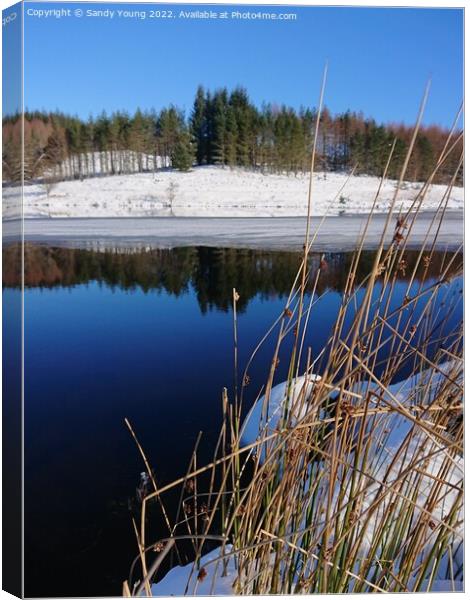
(211, 272)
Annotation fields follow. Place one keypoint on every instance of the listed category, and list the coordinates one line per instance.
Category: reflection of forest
(211, 272)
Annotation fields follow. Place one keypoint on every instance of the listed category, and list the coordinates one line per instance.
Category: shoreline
(338, 233)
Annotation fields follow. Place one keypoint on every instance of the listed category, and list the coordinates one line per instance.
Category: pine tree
(219, 128)
(12, 159)
(208, 128)
(55, 150)
(33, 157)
(102, 141)
(240, 103)
(307, 119)
(182, 156)
(345, 127)
(426, 158)
(230, 158)
(86, 146)
(91, 137)
(378, 150)
(297, 143)
(169, 126)
(198, 123)
(398, 157)
(325, 128)
(139, 136)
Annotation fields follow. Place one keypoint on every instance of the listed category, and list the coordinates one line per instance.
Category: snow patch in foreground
(279, 400)
(184, 580)
(181, 581)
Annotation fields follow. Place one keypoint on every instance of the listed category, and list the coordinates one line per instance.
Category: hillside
(217, 192)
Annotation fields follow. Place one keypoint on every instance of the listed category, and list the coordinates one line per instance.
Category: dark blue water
(147, 336)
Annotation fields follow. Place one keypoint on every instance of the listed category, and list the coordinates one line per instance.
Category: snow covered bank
(403, 391)
(182, 581)
(216, 192)
(208, 576)
(300, 389)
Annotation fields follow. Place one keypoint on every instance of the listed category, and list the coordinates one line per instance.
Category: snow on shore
(302, 386)
(184, 580)
(181, 581)
(215, 192)
(300, 390)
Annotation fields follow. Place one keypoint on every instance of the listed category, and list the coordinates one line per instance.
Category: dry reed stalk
(322, 500)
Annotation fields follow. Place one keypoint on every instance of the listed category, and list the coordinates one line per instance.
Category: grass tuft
(356, 484)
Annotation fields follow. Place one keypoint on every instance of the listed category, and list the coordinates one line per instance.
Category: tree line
(223, 128)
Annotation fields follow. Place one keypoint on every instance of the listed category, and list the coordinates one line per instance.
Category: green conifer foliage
(182, 156)
(224, 128)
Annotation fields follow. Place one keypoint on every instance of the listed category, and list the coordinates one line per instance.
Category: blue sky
(379, 59)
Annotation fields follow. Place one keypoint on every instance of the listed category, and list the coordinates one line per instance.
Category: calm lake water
(145, 335)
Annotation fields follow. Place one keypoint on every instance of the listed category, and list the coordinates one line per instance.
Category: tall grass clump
(352, 480)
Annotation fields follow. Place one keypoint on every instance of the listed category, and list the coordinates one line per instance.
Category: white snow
(301, 387)
(183, 580)
(269, 416)
(216, 192)
(218, 580)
